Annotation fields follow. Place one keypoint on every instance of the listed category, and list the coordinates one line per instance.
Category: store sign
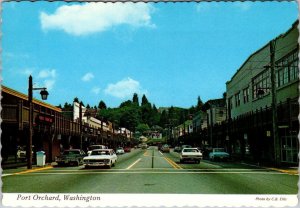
(44, 119)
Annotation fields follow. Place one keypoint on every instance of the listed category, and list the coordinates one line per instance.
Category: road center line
(160, 152)
(133, 163)
(171, 162)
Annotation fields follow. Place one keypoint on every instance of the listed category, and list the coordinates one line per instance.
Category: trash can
(40, 158)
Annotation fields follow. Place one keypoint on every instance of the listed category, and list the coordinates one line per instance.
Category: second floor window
(246, 95)
(287, 69)
(237, 99)
(261, 84)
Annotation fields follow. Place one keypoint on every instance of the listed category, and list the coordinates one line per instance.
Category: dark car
(165, 148)
(177, 149)
(73, 157)
(127, 149)
(180, 148)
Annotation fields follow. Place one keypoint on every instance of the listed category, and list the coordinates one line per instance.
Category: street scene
(151, 171)
(180, 100)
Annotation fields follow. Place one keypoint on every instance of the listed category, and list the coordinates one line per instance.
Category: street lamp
(44, 95)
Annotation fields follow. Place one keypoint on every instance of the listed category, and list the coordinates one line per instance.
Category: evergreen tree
(163, 119)
(199, 104)
(125, 103)
(102, 105)
(135, 99)
(76, 100)
(144, 100)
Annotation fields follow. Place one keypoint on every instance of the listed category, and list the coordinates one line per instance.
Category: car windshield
(71, 152)
(186, 146)
(120, 148)
(99, 152)
(219, 150)
(190, 150)
(96, 147)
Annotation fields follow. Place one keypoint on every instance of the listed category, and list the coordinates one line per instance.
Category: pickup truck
(73, 157)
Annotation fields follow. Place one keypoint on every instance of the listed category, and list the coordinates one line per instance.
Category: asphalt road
(150, 171)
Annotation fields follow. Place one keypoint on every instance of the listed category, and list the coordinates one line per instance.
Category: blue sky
(173, 53)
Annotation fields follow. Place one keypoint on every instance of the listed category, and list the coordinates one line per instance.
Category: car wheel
(113, 164)
(198, 161)
(181, 161)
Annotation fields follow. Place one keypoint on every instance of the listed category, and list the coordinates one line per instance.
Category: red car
(127, 149)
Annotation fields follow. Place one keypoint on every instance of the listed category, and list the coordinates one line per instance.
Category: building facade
(250, 106)
(53, 131)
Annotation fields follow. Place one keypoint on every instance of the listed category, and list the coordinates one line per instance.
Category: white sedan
(101, 157)
(190, 154)
(120, 150)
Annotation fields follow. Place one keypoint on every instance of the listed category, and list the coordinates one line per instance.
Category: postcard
(149, 104)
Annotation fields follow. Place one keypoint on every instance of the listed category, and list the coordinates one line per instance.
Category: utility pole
(274, 104)
(29, 142)
(80, 123)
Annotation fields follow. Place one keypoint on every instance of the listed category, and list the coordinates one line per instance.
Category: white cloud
(49, 83)
(91, 18)
(47, 77)
(47, 73)
(244, 6)
(96, 90)
(87, 77)
(26, 71)
(206, 6)
(124, 88)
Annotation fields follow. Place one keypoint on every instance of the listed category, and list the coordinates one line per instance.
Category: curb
(33, 170)
(287, 171)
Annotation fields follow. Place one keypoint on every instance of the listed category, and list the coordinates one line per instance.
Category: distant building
(216, 115)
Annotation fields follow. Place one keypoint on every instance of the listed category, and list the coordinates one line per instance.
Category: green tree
(135, 99)
(76, 100)
(199, 104)
(163, 119)
(68, 107)
(126, 103)
(102, 105)
(142, 128)
(129, 117)
(144, 100)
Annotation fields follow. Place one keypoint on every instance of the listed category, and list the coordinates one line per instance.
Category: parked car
(127, 149)
(177, 149)
(180, 148)
(72, 157)
(21, 153)
(190, 154)
(144, 146)
(120, 150)
(96, 146)
(218, 154)
(165, 148)
(101, 157)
